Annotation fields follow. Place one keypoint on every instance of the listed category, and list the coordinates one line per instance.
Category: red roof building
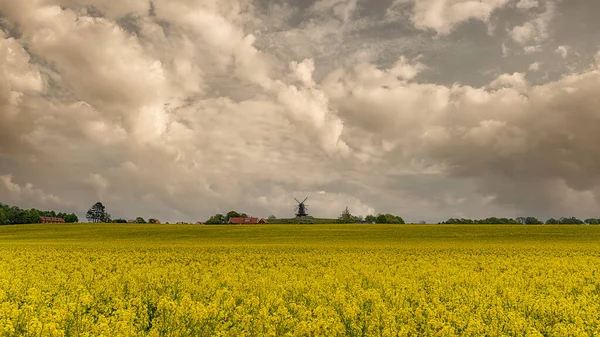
(50, 219)
(242, 221)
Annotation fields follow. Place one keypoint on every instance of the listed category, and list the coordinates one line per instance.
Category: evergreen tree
(346, 217)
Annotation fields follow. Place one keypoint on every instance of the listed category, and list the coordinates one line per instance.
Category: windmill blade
(305, 199)
(297, 200)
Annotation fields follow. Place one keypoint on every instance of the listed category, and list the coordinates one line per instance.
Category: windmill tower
(301, 208)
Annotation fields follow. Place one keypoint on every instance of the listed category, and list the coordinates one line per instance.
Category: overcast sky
(179, 109)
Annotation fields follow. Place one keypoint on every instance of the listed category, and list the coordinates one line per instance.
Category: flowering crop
(345, 281)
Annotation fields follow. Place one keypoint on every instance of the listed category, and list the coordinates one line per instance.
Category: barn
(242, 221)
(51, 219)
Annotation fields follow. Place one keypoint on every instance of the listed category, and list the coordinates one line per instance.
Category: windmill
(301, 208)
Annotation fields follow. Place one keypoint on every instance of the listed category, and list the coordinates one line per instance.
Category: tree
(97, 213)
(389, 218)
(232, 214)
(139, 219)
(530, 220)
(3, 217)
(272, 218)
(153, 221)
(71, 218)
(570, 221)
(592, 221)
(346, 217)
(216, 219)
(119, 221)
(552, 221)
(33, 216)
(370, 219)
(17, 215)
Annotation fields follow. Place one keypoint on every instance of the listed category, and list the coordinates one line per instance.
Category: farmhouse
(240, 221)
(51, 219)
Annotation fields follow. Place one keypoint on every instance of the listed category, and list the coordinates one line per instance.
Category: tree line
(224, 218)
(13, 215)
(381, 218)
(523, 221)
(97, 213)
(139, 219)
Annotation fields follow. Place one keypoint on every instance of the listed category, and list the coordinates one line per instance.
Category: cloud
(563, 51)
(532, 49)
(505, 50)
(525, 33)
(19, 78)
(28, 196)
(527, 4)
(537, 29)
(341, 9)
(443, 16)
(515, 80)
(493, 137)
(535, 66)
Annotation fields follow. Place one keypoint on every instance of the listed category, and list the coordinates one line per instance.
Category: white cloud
(341, 9)
(27, 195)
(535, 66)
(563, 51)
(532, 49)
(18, 79)
(303, 71)
(516, 80)
(505, 50)
(535, 30)
(527, 4)
(525, 33)
(444, 15)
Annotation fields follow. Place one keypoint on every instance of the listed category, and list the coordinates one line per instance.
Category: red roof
(243, 220)
(51, 219)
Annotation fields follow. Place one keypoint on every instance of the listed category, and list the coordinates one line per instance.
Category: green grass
(342, 235)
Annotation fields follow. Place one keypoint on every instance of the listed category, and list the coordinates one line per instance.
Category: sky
(180, 109)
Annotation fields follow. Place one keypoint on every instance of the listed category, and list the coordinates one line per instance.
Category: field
(299, 280)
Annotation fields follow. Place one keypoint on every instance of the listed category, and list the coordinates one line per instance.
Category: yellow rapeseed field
(319, 280)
